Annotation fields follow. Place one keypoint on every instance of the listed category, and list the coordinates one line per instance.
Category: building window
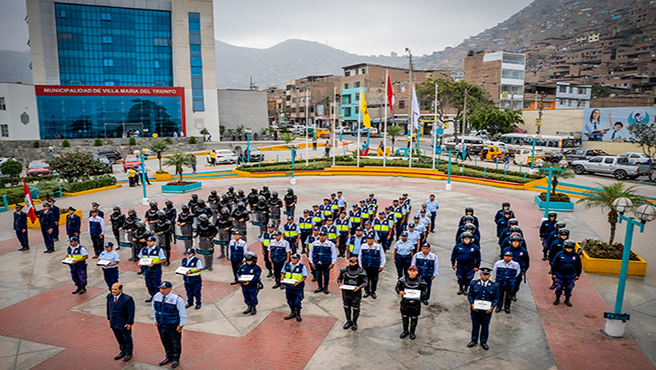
(357, 96)
(2, 103)
(513, 59)
(108, 62)
(4, 130)
(512, 73)
(357, 110)
(106, 16)
(301, 110)
(107, 39)
(293, 100)
(347, 112)
(346, 74)
(562, 89)
(582, 90)
(363, 71)
(196, 61)
(357, 84)
(401, 104)
(346, 85)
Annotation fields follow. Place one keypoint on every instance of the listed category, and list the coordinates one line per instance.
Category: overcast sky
(360, 27)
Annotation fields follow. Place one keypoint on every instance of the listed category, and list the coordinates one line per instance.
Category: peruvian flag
(390, 94)
(29, 207)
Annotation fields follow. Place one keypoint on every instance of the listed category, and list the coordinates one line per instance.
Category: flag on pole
(366, 119)
(415, 109)
(390, 94)
(29, 207)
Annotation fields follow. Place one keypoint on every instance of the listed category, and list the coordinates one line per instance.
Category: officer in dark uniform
(520, 255)
(322, 256)
(130, 227)
(186, 223)
(504, 206)
(546, 228)
(97, 232)
(56, 213)
(554, 234)
(193, 282)
(213, 200)
(355, 278)
(250, 288)
(252, 198)
(140, 237)
(47, 220)
(79, 266)
(279, 252)
(556, 246)
(117, 219)
(295, 270)
(193, 203)
(372, 259)
(203, 209)
(163, 230)
(265, 192)
(275, 205)
(205, 232)
(20, 227)
(73, 223)
(469, 211)
(410, 307)
(502, 223)
(170, 315)
(465, 259)
(240, 217)
(482, 290)
(171, 214)
(230, 194)
(261, 215)
(566, 269)
(224, 228)
(150, 217)
(153, 271)
(290, 202)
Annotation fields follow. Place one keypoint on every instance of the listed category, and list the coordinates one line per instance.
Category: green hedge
(74, 187)
(14, 195)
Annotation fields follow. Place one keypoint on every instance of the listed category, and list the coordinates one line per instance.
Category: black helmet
(569, 243)
(552, 214)
(560, 224)
(515, 229)
(513, 222)
(152, 204)
(140, 224)
(194, 196)
(224, 197)
(261, 198)
(505, 204)
(169, 202)
(240, 193)
(470, 227)
(201, 202)
(563, 231)
(117, 208)
(507, 212)
(250, 256)
(466, 234)
(290, 191)
(231, 189)
(265, 187)
(516, 237)
(240, 205)
(253, 190)
(203, 217)
(468, 218)
(185, 208)
(132, 212)
(161, 213)
(469, 209)
(225, 210)
(274, 194)
(213, 192)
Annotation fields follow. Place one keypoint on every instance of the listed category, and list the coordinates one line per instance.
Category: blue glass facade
(107, 116)
(108, 46)
(198, 99)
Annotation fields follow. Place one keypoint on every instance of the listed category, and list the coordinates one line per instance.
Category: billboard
(611, 124)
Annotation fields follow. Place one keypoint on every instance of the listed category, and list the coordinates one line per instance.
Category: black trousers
(480, 323)
(124, 339)
(172, 341)
(372, 275)
(277, 268)
(98, 246)
(323, 275)
(235, 267)
(505, 295)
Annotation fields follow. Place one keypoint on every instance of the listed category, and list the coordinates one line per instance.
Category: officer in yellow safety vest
(326, 210)
(331, 231)
(355, 216)
(343, 226)
(305, 225)
(383, 229)
(295, 272)
(316, 216)
(132, 174)
(364, 211)
(76, 257)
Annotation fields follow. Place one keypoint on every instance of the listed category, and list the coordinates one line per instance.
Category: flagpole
(411, 122)
(435, 125)
(307, 126)
(385, 133)
(359, 129)
(334, 122)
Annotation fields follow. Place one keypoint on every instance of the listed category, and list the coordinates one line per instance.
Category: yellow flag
(366, 120)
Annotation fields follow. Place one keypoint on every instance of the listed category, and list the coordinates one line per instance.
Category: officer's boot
(406, 321)
(84, 290)
(291, 315)
(460, 289)
(270, 274)
(254, 310)
(413, 326)
(77, 290)
(544, 255)
(223, 248)
(356, 314)
(553, 284)
(347, 311)
(567, 302)
(249, 310)
(298, 315)
(167, 252)
(557, 301)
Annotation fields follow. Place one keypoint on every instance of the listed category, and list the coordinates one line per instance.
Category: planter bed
(180, 189)
(605, 266)
(554, 206)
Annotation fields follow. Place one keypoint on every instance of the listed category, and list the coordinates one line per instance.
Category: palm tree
(288, 138)
(604, 199)
(159, 147)
(568, 173)
(392, 131)
(180, 160)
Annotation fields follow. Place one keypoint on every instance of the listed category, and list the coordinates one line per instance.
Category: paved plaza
(43, 326)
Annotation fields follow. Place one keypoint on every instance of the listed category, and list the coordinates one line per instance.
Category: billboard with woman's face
(611, 124)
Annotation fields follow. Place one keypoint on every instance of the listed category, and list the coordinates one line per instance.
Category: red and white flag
(390, 94)
(29, 207)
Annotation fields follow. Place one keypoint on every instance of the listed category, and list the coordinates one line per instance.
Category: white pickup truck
(616, 166)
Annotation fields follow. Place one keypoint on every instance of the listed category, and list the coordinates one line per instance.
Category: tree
(644, 134)
(12, 169)
(599, 91)
(75, 165)
(495, 120)
(568, 173)
(288, 138)
(392, 131)
(604, 199)
(180, 160)
(159, 147)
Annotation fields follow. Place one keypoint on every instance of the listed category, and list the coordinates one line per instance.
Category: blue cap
(296, 255)
(190, 251)
(411, 225)
(405, 233)
(151, 239)
(109, 244)
(359, 228)
(277, 233)
(74, 239)
(165, 285)
(507, 253)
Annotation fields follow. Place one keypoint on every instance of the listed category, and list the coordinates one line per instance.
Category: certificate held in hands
(68, 260)
(347, 287)
(145, 261)
(182, 270)
(103, 263)
(482, 305)
(412, 294)
(245, 278)
(289, 281)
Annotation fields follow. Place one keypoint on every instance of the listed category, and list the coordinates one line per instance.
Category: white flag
(415, 109)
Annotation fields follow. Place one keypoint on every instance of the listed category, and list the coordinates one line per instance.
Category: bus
(548, 144)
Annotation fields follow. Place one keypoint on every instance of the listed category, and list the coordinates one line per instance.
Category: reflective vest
(331, 231)
(370, 257)
(277, 253)
(342, 225)
(236, 250)
(305, 223)
(75, 253)
(131, 173)
(166, 309)
(425, 266)
(398, 212)
(326, 210)
(322, 254)
(154, 254)
(390, 218)
(355, 217)
(289, 230)
(365, 212)
(295, 273)
(351, 243)
(266, 239)
(381, 226)
(316, 217)
(191, 263)
(335, 205)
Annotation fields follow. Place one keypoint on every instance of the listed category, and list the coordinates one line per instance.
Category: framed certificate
(347, 287)
(68, 260)
(482, 305)
(182, 270)
(412, 294)
(145, 261)
(289, 281)
(246, 278)
(103, 262)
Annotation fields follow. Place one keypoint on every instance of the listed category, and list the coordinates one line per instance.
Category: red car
(36, 168)
(131, 161)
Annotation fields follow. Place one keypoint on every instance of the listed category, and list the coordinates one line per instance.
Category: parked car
(501, 146)
(112, 154)
(104, 160)
(224, 156)
(342, 129)
(611, 165)
(636, 158)
(255, 154)
(36, 168)
(575, 154)
(475, 142)
(131, 161)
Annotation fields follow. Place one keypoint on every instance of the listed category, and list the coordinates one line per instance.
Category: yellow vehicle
(322, 133)
(491, 152)
(524, 156)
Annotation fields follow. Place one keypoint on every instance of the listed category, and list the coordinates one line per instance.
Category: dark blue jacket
(101, 214)
(506, 243)
(555, 247)
(520, 255)
(254, 270)
(73, 223)
(501, 225)
(547, 227)
(568, 264)
(499, 215)
(466, 255)
(120, 313)
(487, 293)
(461, 229)
(55, 212)
(47, 220)
(462, 221)
(20, 221)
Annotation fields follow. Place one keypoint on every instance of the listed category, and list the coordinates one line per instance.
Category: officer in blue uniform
(305, 225)
(465, 259)
(153, 271)
(502, 223)
(73, 223)
(557, 246)
(193, 283)
(499, 215)
(355, 216)
(236, 251)
(427, 265)
(170, 316)
(482, 290)
(355, 242)
(266, 238)
(506, 272)
(279, 252)
(97, 232)
(469, 211)
(322, 256)
(110, 271)
(250, 288)
(554, 234)
(566, 269)
(295, 270)
(78, 266)
(56, 213)
(20, 227)
(403, 250)
(372, 259)
(520, 255)
(432, 205)
(292, 233)
(47, 220)
(546, 228)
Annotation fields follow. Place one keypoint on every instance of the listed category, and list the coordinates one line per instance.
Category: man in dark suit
(120, 313)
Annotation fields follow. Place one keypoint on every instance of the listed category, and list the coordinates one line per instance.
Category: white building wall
(243, 107)
(20, 105)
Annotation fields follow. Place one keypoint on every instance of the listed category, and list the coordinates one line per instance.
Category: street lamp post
(50, 149)
(448, 179)
(144, 201)
(616, 321)
(248, 146)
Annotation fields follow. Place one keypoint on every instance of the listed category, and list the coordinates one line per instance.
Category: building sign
(49, 90)
(611, 124)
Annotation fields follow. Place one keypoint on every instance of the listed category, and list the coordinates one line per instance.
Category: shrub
(66, 144)
(599, 249)
(192, 140)
(132, 141)
(558, 197)
(36, 144)
(75, 166)
(97, 142)
(168, 140)
(12, 169)
(74, 187)
(14, 195)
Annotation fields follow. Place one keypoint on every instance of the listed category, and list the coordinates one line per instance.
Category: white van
(475, 142)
